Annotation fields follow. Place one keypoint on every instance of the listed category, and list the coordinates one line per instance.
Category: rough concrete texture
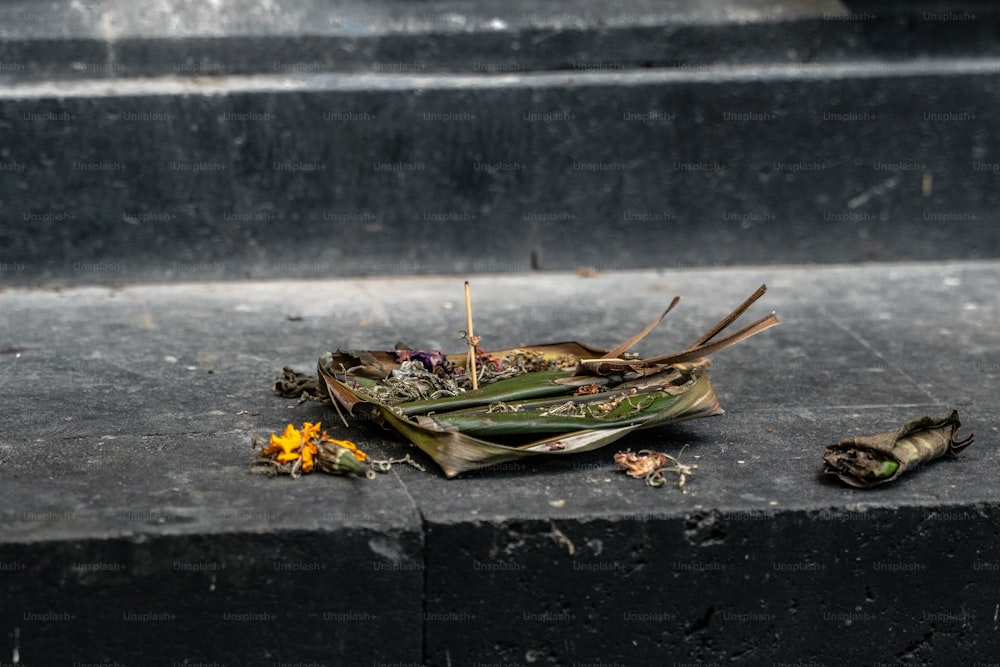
(64, 39)
(246, 140)
(132, 532)
(321, 175)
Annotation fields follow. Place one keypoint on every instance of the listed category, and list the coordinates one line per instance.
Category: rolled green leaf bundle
(866, 461)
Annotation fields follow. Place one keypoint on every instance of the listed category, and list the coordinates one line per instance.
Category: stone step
(460, 137)
(363, 174)
(118, 39)
(132, 533)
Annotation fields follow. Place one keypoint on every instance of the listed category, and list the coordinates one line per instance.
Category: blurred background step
(246, 141)
(118, 39)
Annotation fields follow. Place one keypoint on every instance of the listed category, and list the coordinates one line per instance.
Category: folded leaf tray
(554, 399)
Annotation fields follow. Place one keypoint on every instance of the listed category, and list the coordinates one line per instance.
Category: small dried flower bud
(336, 460)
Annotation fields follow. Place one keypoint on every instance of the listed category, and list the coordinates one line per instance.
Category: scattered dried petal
(641, 464)
(651, 465)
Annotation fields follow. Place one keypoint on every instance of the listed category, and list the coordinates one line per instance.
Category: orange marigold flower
(294, 445)
(310, 430)
(286, 445)
(308, 454)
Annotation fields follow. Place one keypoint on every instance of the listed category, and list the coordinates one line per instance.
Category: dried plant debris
(866, 461)
(650, 465)
(557, 398)
(297, 385)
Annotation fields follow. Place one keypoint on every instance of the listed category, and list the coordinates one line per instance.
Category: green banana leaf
(570, 398)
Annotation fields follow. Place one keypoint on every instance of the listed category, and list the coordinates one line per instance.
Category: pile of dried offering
(476, 409)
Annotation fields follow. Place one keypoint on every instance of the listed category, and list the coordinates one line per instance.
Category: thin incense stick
(472, 340)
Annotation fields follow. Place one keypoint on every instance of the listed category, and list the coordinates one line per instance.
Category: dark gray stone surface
(246, 140)
(127, 425)
(118, 39)
(215, 145)
(131, 530)
(257, 178)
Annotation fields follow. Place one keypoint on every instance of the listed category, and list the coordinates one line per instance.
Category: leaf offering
(558, 398)
(866, 461)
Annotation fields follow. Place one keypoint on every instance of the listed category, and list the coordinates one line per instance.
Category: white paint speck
(389, 549)
(952, 281)
(170, 359)
(498, 24)
(970, 306)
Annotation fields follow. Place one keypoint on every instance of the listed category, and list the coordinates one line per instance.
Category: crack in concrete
(871, 348)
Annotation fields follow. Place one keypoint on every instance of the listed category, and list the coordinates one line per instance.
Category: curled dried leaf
(870, 460)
